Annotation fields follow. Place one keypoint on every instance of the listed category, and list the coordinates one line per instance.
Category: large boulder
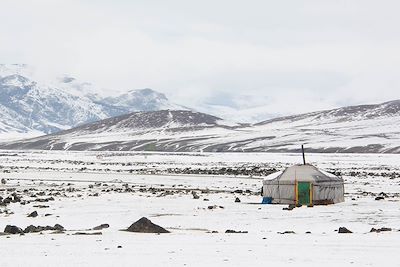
(33, 214)
(12, 229)
(344, 230)
(144, 225)
(37, 229)
(101, 227)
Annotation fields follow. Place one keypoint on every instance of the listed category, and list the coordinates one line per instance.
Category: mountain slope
(33, 106)
(42, 108)
(141, 100)
(356, 129)
(156, 130)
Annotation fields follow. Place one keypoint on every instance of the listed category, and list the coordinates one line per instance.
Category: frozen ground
(92, 188)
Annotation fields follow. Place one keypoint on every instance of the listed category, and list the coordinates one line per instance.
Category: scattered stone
(286, 232)
(379, 198)
(3, 181)
(383, 229)
(206, 199)
(119, 247)
(237, 200)
(44, 199)
(215, 207)
(235, 232)
(41, 206)
(86, 233)
(290, 207)
(58, 227)
(308, 232)
(37, 229)
(195, 195)
(344, 230)
(34, 229)
(15, 198)
(144, 225)
(33, 214)
(12, 229)
(101, 227)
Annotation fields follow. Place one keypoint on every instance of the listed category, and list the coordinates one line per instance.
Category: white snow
(190, 220)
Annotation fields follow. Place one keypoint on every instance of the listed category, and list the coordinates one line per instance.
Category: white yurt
(303, 185)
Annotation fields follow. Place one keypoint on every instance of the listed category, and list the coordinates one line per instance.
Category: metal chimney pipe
(304, 157)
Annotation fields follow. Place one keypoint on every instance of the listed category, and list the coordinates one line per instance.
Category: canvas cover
(325, 188)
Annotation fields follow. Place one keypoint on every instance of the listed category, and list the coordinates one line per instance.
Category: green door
(303, 193)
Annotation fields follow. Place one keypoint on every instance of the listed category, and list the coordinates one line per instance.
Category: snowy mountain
(355, 129)
(35, 106)
(141, 100)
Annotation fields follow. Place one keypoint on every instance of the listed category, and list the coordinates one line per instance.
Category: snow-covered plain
(159, 186)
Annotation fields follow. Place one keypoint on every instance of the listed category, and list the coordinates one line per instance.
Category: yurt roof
(306, 173)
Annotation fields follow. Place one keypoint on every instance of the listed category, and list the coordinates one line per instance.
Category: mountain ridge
(354, 129)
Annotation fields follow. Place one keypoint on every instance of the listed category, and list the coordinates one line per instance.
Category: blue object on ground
(266, 200)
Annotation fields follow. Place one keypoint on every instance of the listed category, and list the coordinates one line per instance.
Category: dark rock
(383, 229)
(44, 199)
(286, 232)
(237, 200)
(344, 230)
(15, 198)
(37, 229)
(144, 225)
(195, 195)
(379, 198)
(235, 232)
(41, 206)
(290, 207)
(33, 214)
(86, 233)
(101, 227)
(58, 227)
(12, 229)
(33, 229)
(6, 201)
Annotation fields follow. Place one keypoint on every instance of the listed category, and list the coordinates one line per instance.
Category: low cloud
(255, 55)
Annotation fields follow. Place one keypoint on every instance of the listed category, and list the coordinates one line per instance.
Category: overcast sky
(278, 56)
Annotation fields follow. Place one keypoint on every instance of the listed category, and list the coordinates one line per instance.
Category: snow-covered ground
(159, 186)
